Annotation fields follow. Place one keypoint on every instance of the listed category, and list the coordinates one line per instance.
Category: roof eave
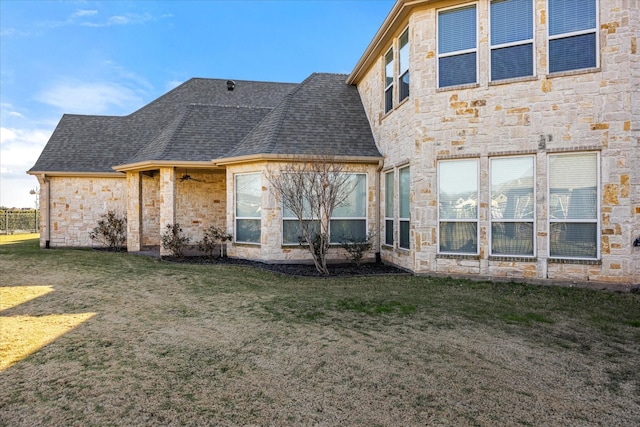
(294, 158)
(392, 22)
(76, 174)
(155, 164)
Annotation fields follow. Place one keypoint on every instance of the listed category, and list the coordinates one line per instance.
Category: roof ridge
(196, 104)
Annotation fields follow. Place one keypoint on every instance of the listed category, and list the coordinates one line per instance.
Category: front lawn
(99, 338)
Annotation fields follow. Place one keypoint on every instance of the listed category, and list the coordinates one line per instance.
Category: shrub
(212, 237)
(174, 240)
(357, 248)
(111, 231)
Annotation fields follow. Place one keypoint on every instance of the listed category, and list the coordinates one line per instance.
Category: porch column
(167, 201)
(134, 211)
(44, 205)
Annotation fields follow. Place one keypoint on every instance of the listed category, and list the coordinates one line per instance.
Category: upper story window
(511, 39)
(572, 35)
(388, 81)
(457, 46)
(403, 65)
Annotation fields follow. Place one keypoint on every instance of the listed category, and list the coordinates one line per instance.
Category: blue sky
(112, 57)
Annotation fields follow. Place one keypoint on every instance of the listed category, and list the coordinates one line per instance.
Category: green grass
(193, 344)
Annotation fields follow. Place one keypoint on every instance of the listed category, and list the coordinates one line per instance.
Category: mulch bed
(306, 270)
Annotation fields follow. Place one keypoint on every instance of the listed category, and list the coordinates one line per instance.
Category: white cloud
(84, 12)
(91, 98)
(19, 150)
(126, 19)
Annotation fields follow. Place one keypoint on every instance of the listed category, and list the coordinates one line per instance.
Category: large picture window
(389, 180)
(403, 65)
(404, 188)
(572, 35)
(573, 205)
(458, 206)
(512, 206)
(457, 46)
(248, 201)
(348, 221)
(511, 39)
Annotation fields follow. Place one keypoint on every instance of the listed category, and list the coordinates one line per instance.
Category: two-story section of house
(510, 131)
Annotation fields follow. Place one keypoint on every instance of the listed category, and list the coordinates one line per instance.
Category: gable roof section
(323, 116)
(201, 120)
(82, 143)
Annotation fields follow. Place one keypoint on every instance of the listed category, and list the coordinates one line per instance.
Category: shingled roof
(201, 120)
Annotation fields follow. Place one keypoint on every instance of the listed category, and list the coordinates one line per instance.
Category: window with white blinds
(572, 35)
(573, 205)
(511, 39)
(457, 46)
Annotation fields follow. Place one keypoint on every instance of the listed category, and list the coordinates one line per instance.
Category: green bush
(174, 240)
(111, 231)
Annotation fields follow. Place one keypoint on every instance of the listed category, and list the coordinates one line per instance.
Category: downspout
(378, 226)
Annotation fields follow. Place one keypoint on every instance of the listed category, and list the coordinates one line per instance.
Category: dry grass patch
(226, 345)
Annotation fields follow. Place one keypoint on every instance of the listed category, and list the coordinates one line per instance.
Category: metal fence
(19, 221)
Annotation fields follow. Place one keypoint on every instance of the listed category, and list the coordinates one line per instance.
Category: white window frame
(531, 220)
(235, 208)
(457, 52)
(595, 220)
(389, 87)
(402, 219)
(531, 41)
(475, 220)
(403, 69)
(593, 30)
(389, 211)
(310, 218)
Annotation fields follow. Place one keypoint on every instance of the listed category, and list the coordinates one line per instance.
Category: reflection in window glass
(573, 205)
(458, 206)
(403, 65)
(404, 187)
(512, 206)
(248, 207)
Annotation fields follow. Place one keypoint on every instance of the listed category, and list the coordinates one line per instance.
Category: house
(496, 139)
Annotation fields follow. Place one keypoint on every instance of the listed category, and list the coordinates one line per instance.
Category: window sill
(458, 256)
(246, 244)
(574, 72)
(513, 80)
(574, 261)
(400, 104)
(512, 258)
(387, 247)
(458, 87)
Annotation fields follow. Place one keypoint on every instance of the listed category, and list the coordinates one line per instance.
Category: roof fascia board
(76, 174)
(293, 158)
(155, 164)
(396, 17)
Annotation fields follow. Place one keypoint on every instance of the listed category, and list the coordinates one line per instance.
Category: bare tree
(311, 190)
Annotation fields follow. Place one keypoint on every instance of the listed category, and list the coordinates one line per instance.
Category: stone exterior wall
(150, 210)
(271, 248)
(75, 205)
(593, 110)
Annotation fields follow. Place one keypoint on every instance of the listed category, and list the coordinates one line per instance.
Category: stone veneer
(74, 205)
(590, 110)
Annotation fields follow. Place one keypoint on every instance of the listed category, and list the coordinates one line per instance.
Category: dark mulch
(307, 270)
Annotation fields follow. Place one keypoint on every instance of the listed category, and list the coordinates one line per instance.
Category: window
(389, 178)
(457, 46)
(248, 205)
(512, 206)
(348, 221)
(349, 218)
(404, 215)
(573, 206)
(403, 65)
(458, 206)
(511, 39)
(388, 81)
(572, 35)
